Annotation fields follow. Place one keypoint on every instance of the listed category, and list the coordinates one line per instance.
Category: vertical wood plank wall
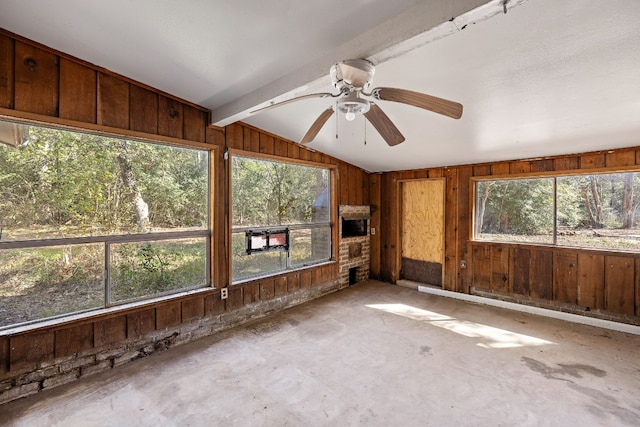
(45, 85)
(587, 280)
(39, 83)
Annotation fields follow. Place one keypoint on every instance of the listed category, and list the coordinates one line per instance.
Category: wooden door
(422, 231)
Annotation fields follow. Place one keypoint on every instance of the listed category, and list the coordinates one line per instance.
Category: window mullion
(107, 274)
(555, 210)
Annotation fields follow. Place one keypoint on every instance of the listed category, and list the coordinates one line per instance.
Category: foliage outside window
(591, 211)
(89, 221)
(271, 196)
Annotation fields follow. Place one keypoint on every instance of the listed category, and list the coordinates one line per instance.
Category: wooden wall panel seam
(7, 72)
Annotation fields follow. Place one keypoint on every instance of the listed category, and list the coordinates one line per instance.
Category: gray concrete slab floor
(373, 354)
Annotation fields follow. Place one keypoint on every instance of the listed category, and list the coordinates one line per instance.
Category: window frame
(555, 175)
(333, 215)
(207, 233)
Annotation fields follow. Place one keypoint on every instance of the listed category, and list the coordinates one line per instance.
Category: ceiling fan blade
(297, 98)
(316, 126)
(384, 125)
(421, 100)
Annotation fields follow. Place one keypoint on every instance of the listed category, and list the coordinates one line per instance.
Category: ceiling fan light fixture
(351, 105)
(350, 115)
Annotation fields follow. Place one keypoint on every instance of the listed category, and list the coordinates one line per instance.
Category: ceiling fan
(352, 78)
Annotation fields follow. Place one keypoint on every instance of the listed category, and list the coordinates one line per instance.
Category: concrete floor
(373, 354)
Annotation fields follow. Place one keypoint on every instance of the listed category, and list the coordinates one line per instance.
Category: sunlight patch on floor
(491, 337)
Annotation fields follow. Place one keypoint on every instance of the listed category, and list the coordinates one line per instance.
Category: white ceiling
(548, 77)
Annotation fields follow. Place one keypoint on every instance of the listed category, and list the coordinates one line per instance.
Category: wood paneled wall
(592, 280)
(40, 84)
(37, 80)
(587, 279)
(38, 348)
(385, 245)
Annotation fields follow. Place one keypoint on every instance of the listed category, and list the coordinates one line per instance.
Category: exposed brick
(36, 376)
(354, 210)
(199, 333)
(5, 385)
(190, 328)
(62, 370)
(148, 349)
(47, 363)
(126, 357)
(18, 392)
(147, 340)
(166, 342)
(183, 339)
(102, 366)
(343, 245)
(61, 379)
(109, 354)
(348, 256)
(76, 363)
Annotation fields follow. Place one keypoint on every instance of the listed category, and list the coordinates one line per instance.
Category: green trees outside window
(88, 221)
(591, 211)
(272, 195)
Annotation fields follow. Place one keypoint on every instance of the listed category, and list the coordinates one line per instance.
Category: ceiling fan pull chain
(365, 132)
(337, 126)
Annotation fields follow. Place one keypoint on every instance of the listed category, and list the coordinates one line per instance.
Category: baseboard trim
(569, 317)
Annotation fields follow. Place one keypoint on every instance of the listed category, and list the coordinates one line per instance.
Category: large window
(280, 216)
(89, 221)
(591, 211)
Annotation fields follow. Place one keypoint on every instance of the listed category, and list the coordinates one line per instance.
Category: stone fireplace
(354, 245)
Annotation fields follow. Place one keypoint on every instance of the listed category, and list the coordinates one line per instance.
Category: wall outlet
(224, 293)
(373, 230)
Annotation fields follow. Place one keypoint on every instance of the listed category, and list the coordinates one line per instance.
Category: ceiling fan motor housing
(352, 74)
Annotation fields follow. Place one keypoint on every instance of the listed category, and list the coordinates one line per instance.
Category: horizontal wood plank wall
(37, 80)
(607, 282)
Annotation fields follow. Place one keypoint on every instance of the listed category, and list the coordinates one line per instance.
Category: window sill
(282, 272)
